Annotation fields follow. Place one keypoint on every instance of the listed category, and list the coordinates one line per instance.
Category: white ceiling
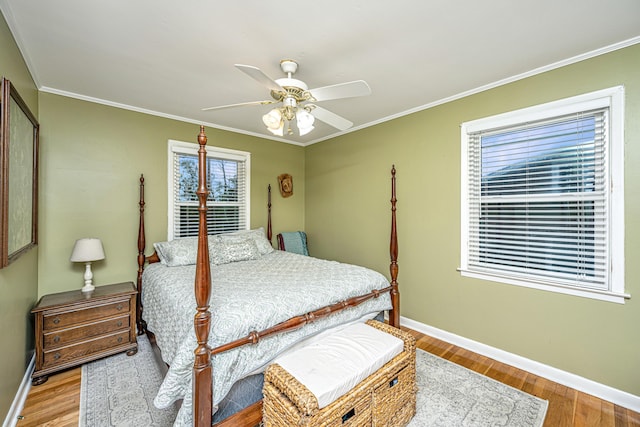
(173, 58)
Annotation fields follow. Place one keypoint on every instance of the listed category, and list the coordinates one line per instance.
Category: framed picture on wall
(19, 131)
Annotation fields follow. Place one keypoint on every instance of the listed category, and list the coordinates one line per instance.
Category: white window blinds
(538, 200)
(227, 183)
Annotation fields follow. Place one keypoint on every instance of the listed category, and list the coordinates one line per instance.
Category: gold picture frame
(19, 132)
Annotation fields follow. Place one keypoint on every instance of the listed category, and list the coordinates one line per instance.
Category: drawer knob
(119, 307)
(56, 356)
(119, 339)
(56, 320)
(119, 323)
(56, 339)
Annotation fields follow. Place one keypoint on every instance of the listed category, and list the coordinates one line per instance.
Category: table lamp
(87, 250)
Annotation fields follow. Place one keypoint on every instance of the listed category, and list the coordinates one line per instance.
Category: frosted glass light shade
(305, 122)
(274, 122)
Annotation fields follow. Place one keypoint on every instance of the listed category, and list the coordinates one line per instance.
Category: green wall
(18, 281)
(93, 156)
(347, 183)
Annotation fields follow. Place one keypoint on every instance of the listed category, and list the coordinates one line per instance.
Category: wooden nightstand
(73, 328)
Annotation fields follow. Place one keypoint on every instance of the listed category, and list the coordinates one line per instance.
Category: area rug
(119, 391)
(450, 395)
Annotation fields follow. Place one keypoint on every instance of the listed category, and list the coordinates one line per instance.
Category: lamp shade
(86, 250)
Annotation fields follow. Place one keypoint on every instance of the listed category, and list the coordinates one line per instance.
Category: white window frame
(613, 100)
(181, 147)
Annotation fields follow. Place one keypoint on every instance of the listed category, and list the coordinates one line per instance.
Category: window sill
(608, 296)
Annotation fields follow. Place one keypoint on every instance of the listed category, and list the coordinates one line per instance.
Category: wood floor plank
(560, 413)
(588, 411)
(625, 418)
(471, 360)
(508, 375)
(567, 403)
(607, 414)
(633, 418)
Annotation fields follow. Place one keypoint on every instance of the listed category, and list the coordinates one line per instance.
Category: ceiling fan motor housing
(288, 66)
(293, 87)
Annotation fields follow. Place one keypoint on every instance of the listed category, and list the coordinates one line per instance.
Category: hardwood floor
(56, 402)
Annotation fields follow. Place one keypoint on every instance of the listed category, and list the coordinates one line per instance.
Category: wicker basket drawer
(359, 414)
(72, 352)
(280, 411)
(69, 318)
(64, 337)
(395, 399)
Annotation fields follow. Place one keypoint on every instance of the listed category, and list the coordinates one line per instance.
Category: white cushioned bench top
(334, 364)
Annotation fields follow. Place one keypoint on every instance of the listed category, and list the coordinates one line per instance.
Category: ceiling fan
(298, 101)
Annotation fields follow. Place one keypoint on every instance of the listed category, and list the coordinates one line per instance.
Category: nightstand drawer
(63, 337)
(64, 319)
(72, 352)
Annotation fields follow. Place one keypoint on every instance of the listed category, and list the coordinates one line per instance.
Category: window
(227, 182)
(543, 196)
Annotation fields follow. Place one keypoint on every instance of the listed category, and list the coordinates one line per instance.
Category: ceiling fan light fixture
(304, 131)
(305, 122)
(279, 131)
(274, 122)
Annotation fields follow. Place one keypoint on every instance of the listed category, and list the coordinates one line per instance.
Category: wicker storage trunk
(385, 398)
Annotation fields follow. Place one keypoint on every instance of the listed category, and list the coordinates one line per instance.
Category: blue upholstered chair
(294, 241)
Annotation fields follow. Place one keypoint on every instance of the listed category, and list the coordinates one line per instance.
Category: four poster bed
(263, 303)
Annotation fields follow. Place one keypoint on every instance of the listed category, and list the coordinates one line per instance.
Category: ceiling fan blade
(239, 105)
(342, 90)
(257, 74)
(330, 118)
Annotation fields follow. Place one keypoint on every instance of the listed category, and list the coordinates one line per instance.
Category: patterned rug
(119, 391)
(450, 395)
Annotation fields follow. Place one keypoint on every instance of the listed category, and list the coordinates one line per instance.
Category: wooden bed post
(394, 314)
(269, 232)
(202, 369)
(142, 325)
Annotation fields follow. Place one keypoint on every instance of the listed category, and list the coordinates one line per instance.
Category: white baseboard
(18, 401)
(568, 379)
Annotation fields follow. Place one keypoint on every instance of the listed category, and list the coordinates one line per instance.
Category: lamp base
(88, 288)
(88, 278)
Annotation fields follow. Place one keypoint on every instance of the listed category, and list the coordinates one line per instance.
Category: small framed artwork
(19, 131)
(286, 184)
